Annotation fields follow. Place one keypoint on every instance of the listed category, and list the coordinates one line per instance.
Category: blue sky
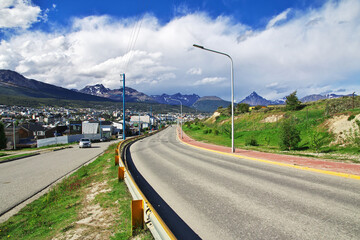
(278, 46)
(255, 13)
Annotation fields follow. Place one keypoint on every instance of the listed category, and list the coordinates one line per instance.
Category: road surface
(23, 178)
(223, 197)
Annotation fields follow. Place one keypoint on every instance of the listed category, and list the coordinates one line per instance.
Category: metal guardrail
(151, 218)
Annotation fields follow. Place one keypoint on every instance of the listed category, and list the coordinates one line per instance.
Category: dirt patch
(94, 221)
(212, 119)
(342, 128)
(272, 118)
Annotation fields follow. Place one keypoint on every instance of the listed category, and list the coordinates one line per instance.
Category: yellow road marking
(338, 174)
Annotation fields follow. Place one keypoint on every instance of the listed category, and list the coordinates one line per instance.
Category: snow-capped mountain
(131, 95)
(186, 100)
(97, 90)
(279, 101)
(316, 97)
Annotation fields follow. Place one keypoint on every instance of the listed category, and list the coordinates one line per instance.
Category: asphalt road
(23, 178)
(223, 197)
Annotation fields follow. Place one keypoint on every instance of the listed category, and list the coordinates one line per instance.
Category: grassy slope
(310, 120)
(56, 213)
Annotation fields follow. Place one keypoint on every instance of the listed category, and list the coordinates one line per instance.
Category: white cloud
(315, 51)
(209, 81)
(194, 71)
(18, 14)
(281, 17)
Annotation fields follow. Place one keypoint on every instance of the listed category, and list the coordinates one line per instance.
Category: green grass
(251, 128)
(57, 211)
(15, 156)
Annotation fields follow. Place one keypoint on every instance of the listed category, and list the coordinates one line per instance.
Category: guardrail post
(137, 215)
(121, 173)
(116, 160)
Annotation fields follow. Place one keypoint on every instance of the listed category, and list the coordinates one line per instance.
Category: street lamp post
(232, 91)
(181, 116)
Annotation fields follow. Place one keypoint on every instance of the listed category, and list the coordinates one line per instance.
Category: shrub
(251, 141)
(317, 141)
(242, 107)
(351, 117)
(258, 107)
(289, 135)
(216, 132)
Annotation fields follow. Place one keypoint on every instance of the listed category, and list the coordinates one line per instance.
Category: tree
(292, 102)
(258, 107)
(2, 136)
(289, 135)
(242, 108)
(228, 110)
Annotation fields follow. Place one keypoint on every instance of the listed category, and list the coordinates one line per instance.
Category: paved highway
(23, 178)
(223, 197)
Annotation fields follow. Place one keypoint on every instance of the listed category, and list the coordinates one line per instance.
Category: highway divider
(142, 212)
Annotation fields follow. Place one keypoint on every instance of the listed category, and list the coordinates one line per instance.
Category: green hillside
(262, 129)
(210, 105)
(27, 101)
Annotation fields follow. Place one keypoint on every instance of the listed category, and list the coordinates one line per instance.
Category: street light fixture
(232, 91)
(181, 116)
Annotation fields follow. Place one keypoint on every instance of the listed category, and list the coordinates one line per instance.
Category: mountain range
(14, 84)
(131, 95)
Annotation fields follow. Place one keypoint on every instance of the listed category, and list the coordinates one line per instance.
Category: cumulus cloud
(209, 81)
(314, 51)
(194, 71)
(18, 14)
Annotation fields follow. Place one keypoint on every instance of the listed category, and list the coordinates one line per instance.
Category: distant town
(37, 127)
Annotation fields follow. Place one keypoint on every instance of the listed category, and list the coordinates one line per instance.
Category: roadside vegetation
(89, 204)
(27, 152)
(309, 129)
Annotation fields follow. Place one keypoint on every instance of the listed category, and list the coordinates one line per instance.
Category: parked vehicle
(84, 142)
(104, 139)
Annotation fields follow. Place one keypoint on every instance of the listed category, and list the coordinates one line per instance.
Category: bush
(351, 117)
(257, 107)
(216, 132)
(251, 142)
(317, 141)
(242, 108)
(206, 131)
(289, 135)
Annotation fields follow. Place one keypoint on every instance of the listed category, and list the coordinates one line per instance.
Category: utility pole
(150, 118)
(14, 134)
(124, 125)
